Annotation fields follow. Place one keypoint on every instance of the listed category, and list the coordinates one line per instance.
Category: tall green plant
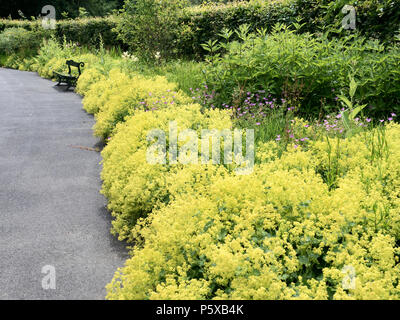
(149, 27)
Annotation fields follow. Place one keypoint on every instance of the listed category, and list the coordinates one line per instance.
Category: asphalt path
(55, 240)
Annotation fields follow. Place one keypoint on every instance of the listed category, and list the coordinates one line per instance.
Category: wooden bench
(69, 79)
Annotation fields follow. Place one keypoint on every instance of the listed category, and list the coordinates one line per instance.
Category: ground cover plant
(319, 215)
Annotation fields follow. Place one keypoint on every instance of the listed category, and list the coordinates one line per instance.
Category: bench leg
(68, 85)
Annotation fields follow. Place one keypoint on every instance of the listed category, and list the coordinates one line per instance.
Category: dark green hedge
(84, 31)
(375, 19)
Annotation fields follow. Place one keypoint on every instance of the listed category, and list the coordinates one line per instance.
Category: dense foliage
(323, 198)
(196, 25)
(308, 72)
(84, 31)
(279, 233)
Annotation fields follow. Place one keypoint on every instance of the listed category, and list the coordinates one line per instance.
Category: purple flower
(368, 120)
(278, 137)
(339, 116)
(258, 123)
(381, 120)
(390, 119)
(295, 146)
(393, 114)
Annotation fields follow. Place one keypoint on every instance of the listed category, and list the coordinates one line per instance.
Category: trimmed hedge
(85, 31)
(375, 19)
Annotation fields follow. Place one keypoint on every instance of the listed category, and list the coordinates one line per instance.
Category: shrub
(135, 94)
(149, 26)
(374, 18)
(196, 25)
(90, 77)
(134, 186)
(308, 72)
(279, 233)
(85, 31)
(100, 92)
(14, 40)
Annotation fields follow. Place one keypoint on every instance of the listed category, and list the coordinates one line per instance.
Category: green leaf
(356, 111)
(346, 101)
(353, 87)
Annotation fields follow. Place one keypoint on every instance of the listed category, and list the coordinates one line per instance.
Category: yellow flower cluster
(120, 96)
(281, 232)
(132, 184)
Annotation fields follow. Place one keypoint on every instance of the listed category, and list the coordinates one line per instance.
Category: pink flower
(390, 119)
(368, 120)
(278, 137)
(393, 114)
